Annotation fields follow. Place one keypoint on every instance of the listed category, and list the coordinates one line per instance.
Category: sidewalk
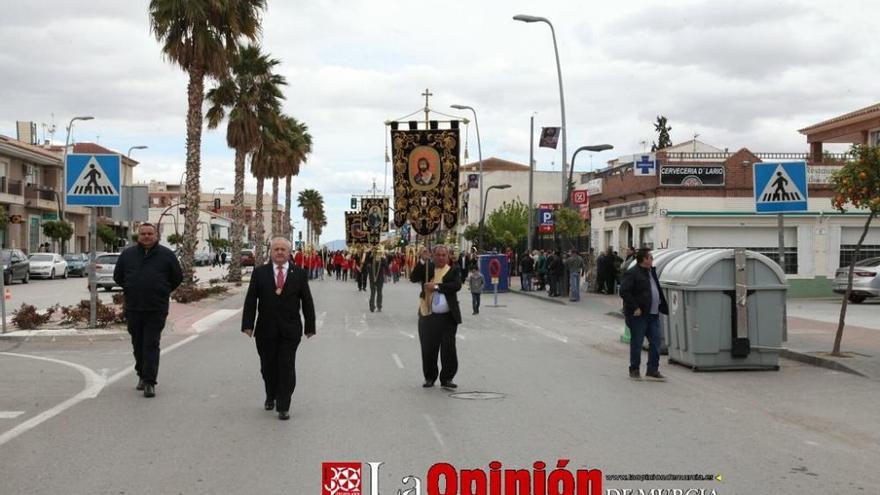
(810, 336)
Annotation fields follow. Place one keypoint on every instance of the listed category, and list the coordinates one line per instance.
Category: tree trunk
(195, 97)
(276, 213)
(287, 191)
(260, 234)
(237, 217)
(840, 324)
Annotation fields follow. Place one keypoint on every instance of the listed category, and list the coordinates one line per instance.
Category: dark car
(15, 266)
(247, 257)
(77, 264)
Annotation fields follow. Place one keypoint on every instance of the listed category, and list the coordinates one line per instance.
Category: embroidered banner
(356, 231)
(425, 178)
(376, 211)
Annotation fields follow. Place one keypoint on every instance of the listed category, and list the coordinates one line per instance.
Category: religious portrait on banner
(426, 178)
(376, 211)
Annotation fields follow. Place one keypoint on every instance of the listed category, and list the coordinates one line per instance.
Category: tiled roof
(6, 140)
(858, 113)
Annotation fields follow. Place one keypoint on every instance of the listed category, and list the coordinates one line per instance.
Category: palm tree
(300, 146)
(250, 90)
(200, 36)
(311, 203)
(265, 163)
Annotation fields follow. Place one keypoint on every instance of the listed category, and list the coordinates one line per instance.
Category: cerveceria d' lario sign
(692, 175)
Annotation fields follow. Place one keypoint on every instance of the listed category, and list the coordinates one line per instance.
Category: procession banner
(425, 178)
(356, 231)
(376, 211)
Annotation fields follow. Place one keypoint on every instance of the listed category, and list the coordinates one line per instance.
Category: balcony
(10, 186)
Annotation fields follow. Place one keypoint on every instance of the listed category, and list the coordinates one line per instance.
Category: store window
(609, 238)
(874, 138)
(848, 253)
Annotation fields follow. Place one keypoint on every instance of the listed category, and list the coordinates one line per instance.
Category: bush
(192, 293)
(104, 314)
(27, 317)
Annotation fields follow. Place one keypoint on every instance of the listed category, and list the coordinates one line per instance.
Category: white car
(48, 265)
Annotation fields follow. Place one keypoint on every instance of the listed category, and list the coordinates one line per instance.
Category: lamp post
(531, 18)
(483, 213)
(479, 151)
(595, 148)
(131, 194)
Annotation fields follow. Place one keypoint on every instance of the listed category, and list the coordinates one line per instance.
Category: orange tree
(856, 185)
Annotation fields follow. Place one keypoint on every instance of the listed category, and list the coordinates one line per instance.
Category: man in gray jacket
(574, 264)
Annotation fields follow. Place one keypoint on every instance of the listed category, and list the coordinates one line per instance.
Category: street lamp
(594, 148)
(483, 213)
(479, 150)
(131, 194)
(531, 18)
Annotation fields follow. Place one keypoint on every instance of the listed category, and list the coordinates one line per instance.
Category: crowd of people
(545, 270)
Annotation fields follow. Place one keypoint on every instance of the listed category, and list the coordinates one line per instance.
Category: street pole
(530, 18)
(93, 234)
(531, 184)
(480, 158)
(780, 223)
(131, 194)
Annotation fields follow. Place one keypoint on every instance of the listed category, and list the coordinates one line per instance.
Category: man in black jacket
(643, 302)
(147, 272)
(439, 316)
(277, 291)
(376, 266)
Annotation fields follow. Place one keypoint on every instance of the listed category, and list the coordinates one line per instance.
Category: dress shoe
(448, 385)
(140, 385)
(269, 405)
(428, 384)
(283, 415)
(372, 309)
(149, 390)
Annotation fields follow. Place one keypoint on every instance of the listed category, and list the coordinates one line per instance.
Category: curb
(817, 361)
(535, 296)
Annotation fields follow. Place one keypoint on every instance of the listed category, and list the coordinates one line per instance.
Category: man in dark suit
(439, 315)
(376, 266)
(277, 291)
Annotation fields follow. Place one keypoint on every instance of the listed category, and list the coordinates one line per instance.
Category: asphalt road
(564, 394)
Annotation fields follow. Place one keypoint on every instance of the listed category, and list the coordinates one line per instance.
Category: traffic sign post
(780, 188)
(92, 180)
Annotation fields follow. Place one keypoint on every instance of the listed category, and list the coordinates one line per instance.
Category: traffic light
(216, 204)
(354, 203)
(300, 233)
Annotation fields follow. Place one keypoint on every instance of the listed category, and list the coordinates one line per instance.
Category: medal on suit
(277, 292)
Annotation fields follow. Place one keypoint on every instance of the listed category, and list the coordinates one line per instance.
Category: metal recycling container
(662, 257)
(726, 309)
(495, 265)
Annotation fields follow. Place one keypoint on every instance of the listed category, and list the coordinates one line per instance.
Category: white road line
(115, 378)
(539, 330)
(94, 384)
(214, 319)
(406, 334)
(319, 321)
(460, 336)
(10, 414)
(397, 360)
(434, 429)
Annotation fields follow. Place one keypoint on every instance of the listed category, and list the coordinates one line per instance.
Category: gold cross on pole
(427, 94)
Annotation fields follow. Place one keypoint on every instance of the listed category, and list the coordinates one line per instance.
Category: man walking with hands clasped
(275, 296)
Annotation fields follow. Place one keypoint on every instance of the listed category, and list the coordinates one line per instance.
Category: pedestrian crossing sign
(780, 187)
(92, 180)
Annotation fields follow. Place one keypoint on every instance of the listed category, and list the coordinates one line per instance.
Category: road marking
(434, 429)
(460, 336)
(406, 334)
(539, 330)
(115, 378)
(94, 384)
(397, 360)
(214, 319)
(10, 414)
(319, 322)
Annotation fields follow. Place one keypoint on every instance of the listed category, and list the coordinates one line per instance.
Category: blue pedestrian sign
(92, 180)
(780, 187)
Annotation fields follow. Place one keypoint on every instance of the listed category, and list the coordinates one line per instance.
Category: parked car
(203, 258)
(248, 258)
(15, 266)
(866, 280)
(77, 264)
(104, 266)
(48, 265)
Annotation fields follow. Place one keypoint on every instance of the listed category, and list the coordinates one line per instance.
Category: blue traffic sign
(93, 180)
(780, 187)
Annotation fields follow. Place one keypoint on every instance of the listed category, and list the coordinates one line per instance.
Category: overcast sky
(740, 73)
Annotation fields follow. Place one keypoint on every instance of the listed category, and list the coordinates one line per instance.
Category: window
(874, 138)
(791, 255)
(848, 251)
(646, 237)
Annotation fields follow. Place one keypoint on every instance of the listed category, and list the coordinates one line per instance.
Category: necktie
(279, 278)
